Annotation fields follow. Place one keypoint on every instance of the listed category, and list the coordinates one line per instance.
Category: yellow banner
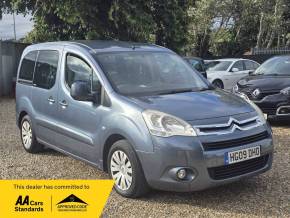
(53, 198)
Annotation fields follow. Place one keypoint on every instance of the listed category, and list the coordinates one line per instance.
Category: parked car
(117, 106)
(269, 86)
(225, 73)
(197, 64)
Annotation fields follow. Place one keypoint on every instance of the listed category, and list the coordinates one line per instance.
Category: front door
(235, 76)
(79, 120)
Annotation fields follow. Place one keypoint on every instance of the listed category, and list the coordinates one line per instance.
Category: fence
(257, 54)
(271, 51)
(10, 54)
(258, 58)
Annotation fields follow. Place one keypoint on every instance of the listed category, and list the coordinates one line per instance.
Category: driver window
(78, 70)
(239, 65)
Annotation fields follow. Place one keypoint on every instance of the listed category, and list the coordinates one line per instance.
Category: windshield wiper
(273, 74)
(184, 90)
(176, 91)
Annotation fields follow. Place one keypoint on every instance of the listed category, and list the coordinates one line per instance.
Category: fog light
(181, 174)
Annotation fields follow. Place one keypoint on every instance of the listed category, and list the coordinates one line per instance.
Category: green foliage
(163, 22)
(195, 27)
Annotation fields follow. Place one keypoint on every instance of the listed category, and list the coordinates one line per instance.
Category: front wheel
(125, 169)
(218, 84)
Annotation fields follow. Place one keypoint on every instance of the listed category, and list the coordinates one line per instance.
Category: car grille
(237, 169)
(261, 96)
(269, 110)
(229, 127)
(208, 146)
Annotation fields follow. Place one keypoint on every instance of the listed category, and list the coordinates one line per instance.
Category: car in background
(269, 86)
(225, 73)
(197, 64)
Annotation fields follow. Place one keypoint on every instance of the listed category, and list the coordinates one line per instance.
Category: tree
(163, 22)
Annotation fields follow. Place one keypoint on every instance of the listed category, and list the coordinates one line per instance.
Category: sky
(23, 26)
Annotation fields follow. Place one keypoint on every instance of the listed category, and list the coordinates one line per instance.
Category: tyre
(125, 169)
(28, 138)
(218, 84)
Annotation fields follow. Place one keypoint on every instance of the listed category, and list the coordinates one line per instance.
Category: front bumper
(174, 152)
(273, 104)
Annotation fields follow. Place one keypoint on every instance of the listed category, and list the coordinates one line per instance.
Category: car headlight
(243, 96)
(286, 91)
(165, 125)
(257, 109)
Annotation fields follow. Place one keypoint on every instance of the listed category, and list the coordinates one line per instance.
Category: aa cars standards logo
(26, 204)
(72, 204)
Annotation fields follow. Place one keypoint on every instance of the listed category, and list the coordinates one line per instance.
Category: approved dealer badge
(53, 198)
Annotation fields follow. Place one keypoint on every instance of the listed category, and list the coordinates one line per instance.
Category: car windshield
(144, 73)
(218, 65)
(275, 66)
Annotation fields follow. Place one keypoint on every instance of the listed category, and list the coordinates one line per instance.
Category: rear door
(44, 94)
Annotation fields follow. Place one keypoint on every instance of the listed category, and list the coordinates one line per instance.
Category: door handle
(51, 100)
(63, 104)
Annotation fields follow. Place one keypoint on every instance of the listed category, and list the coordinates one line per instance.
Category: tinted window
(250, 65)
(27, 66)
(256, 65)
(198, 65)
(78, 70)
(275, 66)
(239, 65)
(46, 68)
(218, 65)
(143, 73)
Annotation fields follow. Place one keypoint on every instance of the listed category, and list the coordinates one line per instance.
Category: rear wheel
(125, 169)
(28, 138)
(218, 84)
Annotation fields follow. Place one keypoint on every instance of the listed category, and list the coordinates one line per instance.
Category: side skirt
(68, 153)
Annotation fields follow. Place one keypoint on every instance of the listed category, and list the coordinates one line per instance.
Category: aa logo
(72, 203)
(25, 204)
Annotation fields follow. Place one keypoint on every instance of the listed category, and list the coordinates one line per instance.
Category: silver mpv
(139, 112)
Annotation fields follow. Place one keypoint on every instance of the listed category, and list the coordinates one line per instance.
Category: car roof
(98, 46)
(231, 59)
(193, 58)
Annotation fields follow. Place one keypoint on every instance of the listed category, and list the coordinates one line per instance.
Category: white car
(225, 73)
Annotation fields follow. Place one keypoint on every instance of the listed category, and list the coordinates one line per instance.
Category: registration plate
(242, 155)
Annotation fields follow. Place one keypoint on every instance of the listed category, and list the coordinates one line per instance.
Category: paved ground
(265, 195)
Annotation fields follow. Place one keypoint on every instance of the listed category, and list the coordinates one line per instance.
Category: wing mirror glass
(251, 72)
(234, 69)
(81, 91)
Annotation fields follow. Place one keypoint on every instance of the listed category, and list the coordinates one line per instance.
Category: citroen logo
(256, 92)
(229, 127)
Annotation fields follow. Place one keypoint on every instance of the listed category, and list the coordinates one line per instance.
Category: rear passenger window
(78, 70)
(27, 66)
(46, 68)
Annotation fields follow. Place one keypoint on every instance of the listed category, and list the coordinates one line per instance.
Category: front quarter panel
(125, 118)
(131, 128)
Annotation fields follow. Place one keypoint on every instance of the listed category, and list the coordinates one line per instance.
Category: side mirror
(234, 69)
(251, 72)
(80, 91)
